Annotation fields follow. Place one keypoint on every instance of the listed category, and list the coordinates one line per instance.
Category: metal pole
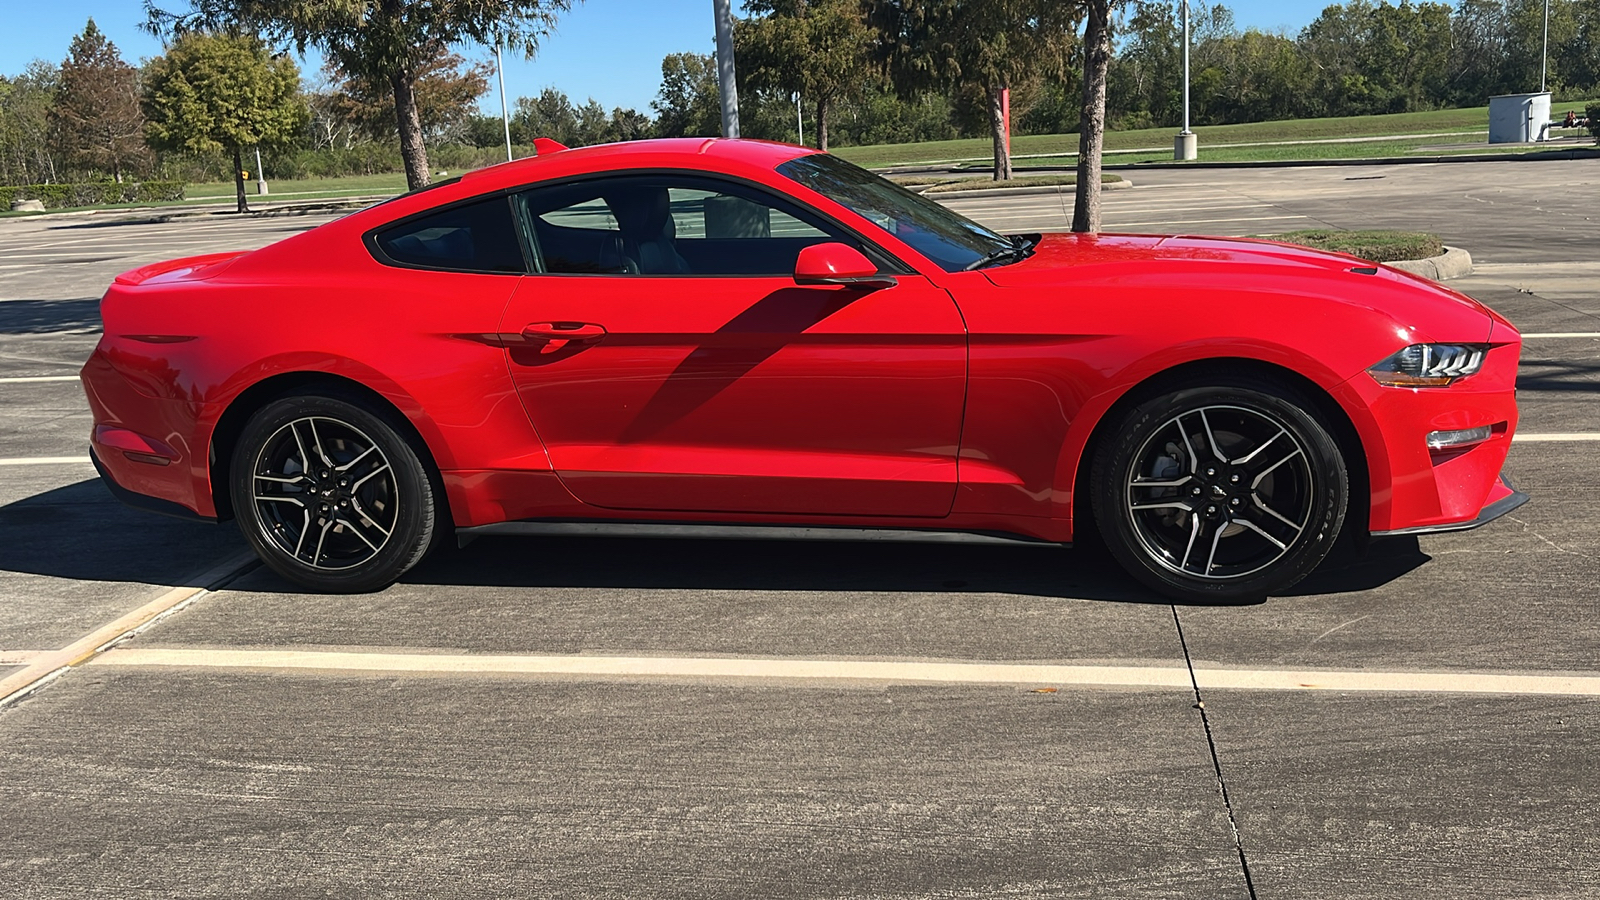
(1186, 145)
(1185, 66)
(726, 88)
(799, 120)
(1544, 56)
(261, 177)
(505, 117)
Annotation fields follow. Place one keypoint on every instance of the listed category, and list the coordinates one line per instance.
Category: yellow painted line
(1519, 437)
(45, 461)
(47, 665)
(37, 379)
(1158, 677)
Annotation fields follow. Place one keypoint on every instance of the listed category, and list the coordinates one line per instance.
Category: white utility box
(1519, 118)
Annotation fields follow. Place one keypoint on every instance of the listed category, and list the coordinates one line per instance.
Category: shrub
(94, 193)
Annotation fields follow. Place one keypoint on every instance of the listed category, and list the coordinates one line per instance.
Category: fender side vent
(1363, 270)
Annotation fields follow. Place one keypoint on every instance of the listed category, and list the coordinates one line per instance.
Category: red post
(1005, 116)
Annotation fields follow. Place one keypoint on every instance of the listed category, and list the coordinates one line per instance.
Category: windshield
(951, 241)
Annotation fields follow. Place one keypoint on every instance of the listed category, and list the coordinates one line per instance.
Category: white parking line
(1561, 334)
(45, 461)
(1157, 677)
(34, 379)
(1558, 437)
(41, 668)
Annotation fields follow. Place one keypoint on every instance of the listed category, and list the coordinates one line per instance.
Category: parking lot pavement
(822, 720)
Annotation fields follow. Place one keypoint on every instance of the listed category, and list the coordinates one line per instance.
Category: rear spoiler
(177, 268)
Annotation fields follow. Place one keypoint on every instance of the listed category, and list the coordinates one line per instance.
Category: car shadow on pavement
(81, 533)
(622, 563)
(48, 316)
(1558, 375)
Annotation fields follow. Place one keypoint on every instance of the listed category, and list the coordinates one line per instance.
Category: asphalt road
(636, 719)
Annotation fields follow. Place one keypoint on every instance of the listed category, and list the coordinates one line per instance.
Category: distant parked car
(725, 337)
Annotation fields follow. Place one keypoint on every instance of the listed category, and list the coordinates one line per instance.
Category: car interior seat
(644, 217)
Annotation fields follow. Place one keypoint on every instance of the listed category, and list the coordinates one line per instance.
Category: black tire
(1224, 493)
(356, 518)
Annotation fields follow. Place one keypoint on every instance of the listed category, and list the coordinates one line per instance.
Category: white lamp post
(1186, 145)
(505, 117)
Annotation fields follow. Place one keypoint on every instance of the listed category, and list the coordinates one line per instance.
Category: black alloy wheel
(1223, 493)
(331, 495)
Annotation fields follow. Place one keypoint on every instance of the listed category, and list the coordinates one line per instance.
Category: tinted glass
(951, 241)
(472, 237)
(669, 225)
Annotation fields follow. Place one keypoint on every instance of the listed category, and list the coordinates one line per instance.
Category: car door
(669, 361)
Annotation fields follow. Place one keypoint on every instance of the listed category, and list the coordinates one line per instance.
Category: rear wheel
(331, 495)
(1222, 493)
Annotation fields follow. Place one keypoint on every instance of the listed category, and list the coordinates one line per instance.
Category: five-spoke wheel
(1226, 492)
(330, 494)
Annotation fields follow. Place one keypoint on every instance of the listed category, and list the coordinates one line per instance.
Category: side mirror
(836, 263)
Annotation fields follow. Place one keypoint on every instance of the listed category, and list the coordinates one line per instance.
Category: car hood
(1211, 264)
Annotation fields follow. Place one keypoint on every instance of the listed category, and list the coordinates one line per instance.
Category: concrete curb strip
(1454, 262)
(1122, 185)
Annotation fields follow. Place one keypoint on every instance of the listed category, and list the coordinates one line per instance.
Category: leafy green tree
(26, 156)
(214, 92)
(447, 89)
(386, 40)
(95, 120)
(687, 104)
(818, 49)
(982, 46)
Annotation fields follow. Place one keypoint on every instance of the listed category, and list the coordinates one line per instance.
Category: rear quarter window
(480, 236)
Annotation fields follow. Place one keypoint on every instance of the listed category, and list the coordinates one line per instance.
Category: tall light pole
(726, 88)
(505, 117)
(1186, 146)
(799, 120)
(1544, 56)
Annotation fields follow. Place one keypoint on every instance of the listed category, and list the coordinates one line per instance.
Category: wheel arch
(239, 410)
(1211, 370)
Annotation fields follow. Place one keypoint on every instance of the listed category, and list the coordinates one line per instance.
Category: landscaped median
(942, 184)
(1410, 251)
(56, 196)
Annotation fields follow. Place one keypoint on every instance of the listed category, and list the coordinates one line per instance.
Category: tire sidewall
(415, 522)
(1115, 458)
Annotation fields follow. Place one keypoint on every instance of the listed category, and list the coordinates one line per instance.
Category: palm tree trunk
(1092, 119)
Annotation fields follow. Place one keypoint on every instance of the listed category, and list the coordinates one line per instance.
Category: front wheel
(1222, 493)
(330, 495)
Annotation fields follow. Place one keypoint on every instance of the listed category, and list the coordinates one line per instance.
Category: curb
(1122, 185)
(1454, 262)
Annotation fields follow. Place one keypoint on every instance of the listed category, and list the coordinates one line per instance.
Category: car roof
(708, 153)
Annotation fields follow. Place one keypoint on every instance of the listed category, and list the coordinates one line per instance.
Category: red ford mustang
(713, 337)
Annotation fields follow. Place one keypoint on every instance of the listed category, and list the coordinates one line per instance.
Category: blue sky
(610, 50)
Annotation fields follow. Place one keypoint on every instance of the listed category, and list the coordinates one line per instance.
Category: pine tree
(95, 121)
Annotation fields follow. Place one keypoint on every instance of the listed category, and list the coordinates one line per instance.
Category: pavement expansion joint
(1216, 760)
(48, 666)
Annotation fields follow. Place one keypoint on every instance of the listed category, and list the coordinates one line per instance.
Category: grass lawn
(1444, 126)
(1378, 246)
(302, 188)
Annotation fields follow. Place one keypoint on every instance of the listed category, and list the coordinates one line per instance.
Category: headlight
(1429, 365)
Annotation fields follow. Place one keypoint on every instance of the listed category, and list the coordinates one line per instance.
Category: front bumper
(1503, 498)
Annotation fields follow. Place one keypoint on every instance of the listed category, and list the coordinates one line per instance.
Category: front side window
(669, 225)
(480, 236)
(951, 241)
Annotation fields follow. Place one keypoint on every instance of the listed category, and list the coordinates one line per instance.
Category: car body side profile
(737, 337)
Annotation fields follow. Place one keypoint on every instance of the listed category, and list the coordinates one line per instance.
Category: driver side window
(666, 225)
